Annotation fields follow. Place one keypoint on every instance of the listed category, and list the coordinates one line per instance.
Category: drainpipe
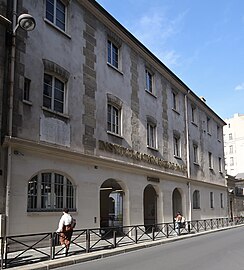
(10, 114)
(188, 156)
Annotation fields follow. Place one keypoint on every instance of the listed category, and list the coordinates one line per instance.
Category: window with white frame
(113, 54)
(151, 135)
(195, 153)
(231, 149)
(176, 145)
(149, 81)
(230, 136)
(50, 191)
(113, 119)
(211, 200)
(56, 13)
(220, 164)
(53, 93)
(231, 161)
(210, 160)
(196, 199)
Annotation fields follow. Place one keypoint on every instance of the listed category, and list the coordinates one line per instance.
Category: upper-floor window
(113, 119)
(113, 54)
(220, 164)
(53, 93)
(175, 101)
(50, 191)
(218, 133)
(193, 114)
(211, 200)
(196, 199)
(26, 94)
(230, 136)
(176, 142)
(151, 135)
(195, 153)
(56, 13)
(210, 160)
(231, 161)
(231, 149)
(149, 81)
(208, 125)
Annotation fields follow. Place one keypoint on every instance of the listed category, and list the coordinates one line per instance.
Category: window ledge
(209, 133)
(150, 93)
(174, 110)
(196, 163)
(152, 148)
(56, 113)
(177, 157)
(114, 134)
(114, 68)
(219, 140)
(27, 102)
(57, 28)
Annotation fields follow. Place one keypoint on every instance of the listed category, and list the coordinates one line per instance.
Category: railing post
(211, 222)
(153, 233)
(136, 235)
(189, 226)
(2, 252)
(197, 226)
(167, 230)
(52, 245)
(114, 237)
(88, 239)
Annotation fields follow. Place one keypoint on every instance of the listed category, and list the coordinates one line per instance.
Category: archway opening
(111, 204)
(176, 202)
(150, 206)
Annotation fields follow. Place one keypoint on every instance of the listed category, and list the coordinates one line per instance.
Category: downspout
(188, 157)
(10, 115)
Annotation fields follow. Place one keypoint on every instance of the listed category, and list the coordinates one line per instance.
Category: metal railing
(31, 248)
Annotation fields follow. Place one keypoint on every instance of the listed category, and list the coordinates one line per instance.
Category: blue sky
(202, 42)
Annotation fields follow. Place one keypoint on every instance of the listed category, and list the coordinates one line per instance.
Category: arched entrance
(150, 206)
(111, 204)
(176, 202)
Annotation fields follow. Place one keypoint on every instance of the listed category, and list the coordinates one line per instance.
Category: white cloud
(239, 87)
(155, 29)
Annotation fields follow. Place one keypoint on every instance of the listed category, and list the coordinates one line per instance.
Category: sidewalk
(75, 259)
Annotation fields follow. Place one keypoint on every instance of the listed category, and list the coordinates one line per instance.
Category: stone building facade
(103, 127)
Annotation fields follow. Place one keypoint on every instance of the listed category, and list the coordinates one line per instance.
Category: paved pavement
(75, 259)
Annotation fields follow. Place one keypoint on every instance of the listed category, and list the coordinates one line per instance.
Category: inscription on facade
(130, 153)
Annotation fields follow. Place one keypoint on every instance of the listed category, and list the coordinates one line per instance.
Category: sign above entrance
(130, 153)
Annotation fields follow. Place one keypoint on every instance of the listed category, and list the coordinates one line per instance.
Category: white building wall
(234, 144)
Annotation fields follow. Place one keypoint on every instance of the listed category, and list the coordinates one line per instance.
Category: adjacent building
(100, 125)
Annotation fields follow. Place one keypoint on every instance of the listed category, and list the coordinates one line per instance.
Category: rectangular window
(218, 133)
(177, 150)
(230, 137)
(149, 81)
(27, 89)
(113, 119)
(175, 101)
(196, 199)
(221, 200)
(210, 161)
(58, 191)
(208, 125)
(193, 114)
(231, 161)
(220, 164)
(151, 135)
(46, 190)
(56, 13)
(113, 54)
(211, 200)
(195, 153)
(231, 149)
(53, 93)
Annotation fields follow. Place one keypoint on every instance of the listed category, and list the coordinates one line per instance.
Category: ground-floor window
(50, 191)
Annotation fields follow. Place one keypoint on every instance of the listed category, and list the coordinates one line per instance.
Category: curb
(76, 259)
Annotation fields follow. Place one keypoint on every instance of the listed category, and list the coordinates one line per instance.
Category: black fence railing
(31, 248)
